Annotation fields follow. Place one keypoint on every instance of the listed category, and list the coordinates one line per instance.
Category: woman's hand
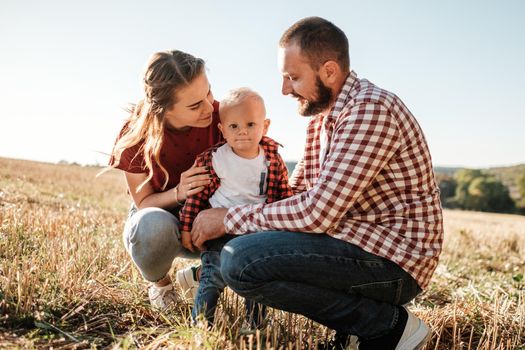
(192, 181)
(186, 241)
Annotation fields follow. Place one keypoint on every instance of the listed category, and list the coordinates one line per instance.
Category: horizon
(435, 166)
(69, 69)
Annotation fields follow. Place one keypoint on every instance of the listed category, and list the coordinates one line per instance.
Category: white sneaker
(162, 297)
(187, 280)
(415, 335)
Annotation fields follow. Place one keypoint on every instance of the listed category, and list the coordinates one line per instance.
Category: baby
(244, 169)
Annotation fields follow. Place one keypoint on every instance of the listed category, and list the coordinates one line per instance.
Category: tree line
(473, 189)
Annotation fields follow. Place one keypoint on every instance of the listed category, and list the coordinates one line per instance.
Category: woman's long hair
(166, 72)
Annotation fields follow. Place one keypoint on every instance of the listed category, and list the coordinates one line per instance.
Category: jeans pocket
(385, 291)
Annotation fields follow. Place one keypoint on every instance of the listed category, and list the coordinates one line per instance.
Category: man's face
(303, 82)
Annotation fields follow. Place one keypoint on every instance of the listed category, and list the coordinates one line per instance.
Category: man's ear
(329, 73)
(267, 123)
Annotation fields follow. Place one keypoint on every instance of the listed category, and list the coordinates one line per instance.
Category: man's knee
(231, 261)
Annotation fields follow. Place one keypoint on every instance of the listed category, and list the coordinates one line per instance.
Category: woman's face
(194, 105)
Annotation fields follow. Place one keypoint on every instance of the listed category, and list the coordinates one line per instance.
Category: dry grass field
(67, 282)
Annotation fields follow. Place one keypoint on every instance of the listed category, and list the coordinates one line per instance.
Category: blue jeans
(328, 280)
(211, 285)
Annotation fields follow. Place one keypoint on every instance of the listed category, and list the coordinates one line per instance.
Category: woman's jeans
(212, 284)
(325, 279)
(151, 237)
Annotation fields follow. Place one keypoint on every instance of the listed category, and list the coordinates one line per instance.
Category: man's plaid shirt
(375, 189)
(277, 181)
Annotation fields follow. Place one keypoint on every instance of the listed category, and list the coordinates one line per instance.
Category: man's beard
(324, 98)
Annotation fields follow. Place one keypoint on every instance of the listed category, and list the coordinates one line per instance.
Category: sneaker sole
(418, 340)
(186, 286)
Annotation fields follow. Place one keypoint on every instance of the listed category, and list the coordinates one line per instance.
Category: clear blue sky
(67, 68)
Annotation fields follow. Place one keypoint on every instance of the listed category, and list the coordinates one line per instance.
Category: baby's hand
(186, 241)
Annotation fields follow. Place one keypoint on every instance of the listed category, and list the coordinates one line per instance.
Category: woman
(156, 148)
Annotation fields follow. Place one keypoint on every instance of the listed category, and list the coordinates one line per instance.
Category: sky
(68, 69)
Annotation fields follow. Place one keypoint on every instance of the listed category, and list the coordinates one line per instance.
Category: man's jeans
(211, 286)
(325, 279)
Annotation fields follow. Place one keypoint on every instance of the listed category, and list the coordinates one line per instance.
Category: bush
(447, 187)
(478, 191)
(489, 194)
(521, 186)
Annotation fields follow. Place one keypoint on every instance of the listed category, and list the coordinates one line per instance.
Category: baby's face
(243, 126)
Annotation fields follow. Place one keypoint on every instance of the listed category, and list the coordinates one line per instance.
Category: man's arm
(209, 224)
(363, 141)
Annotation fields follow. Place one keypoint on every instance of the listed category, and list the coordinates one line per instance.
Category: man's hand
(208, 225)
(186, 241)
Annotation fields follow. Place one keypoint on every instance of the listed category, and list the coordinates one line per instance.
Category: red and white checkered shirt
(375, 189)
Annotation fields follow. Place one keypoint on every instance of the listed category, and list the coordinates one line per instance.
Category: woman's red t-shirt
(177, 154)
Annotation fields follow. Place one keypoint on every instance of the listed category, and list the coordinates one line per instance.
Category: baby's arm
(193, 206)
(285, 190)
(186, 241)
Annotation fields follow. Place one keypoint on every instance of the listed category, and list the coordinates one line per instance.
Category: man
(362, 235)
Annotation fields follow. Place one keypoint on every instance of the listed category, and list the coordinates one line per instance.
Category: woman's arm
(192, 181)
(147, 197)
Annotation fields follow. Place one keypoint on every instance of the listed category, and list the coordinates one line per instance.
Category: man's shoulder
(367, 92)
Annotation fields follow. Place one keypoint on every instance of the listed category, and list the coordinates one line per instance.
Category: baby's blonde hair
(237, 96)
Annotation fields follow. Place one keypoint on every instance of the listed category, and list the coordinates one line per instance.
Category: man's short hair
(319, 40)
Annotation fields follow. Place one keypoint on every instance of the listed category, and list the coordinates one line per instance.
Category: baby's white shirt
(242, 181)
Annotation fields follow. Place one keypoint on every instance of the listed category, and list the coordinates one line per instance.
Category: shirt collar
(344, 96)
(269, 144)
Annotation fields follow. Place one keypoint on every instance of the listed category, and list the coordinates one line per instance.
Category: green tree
(467, 175)
(521, 186)
(486, 193)
(478, 191)
(463, 179)
(447, 186)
